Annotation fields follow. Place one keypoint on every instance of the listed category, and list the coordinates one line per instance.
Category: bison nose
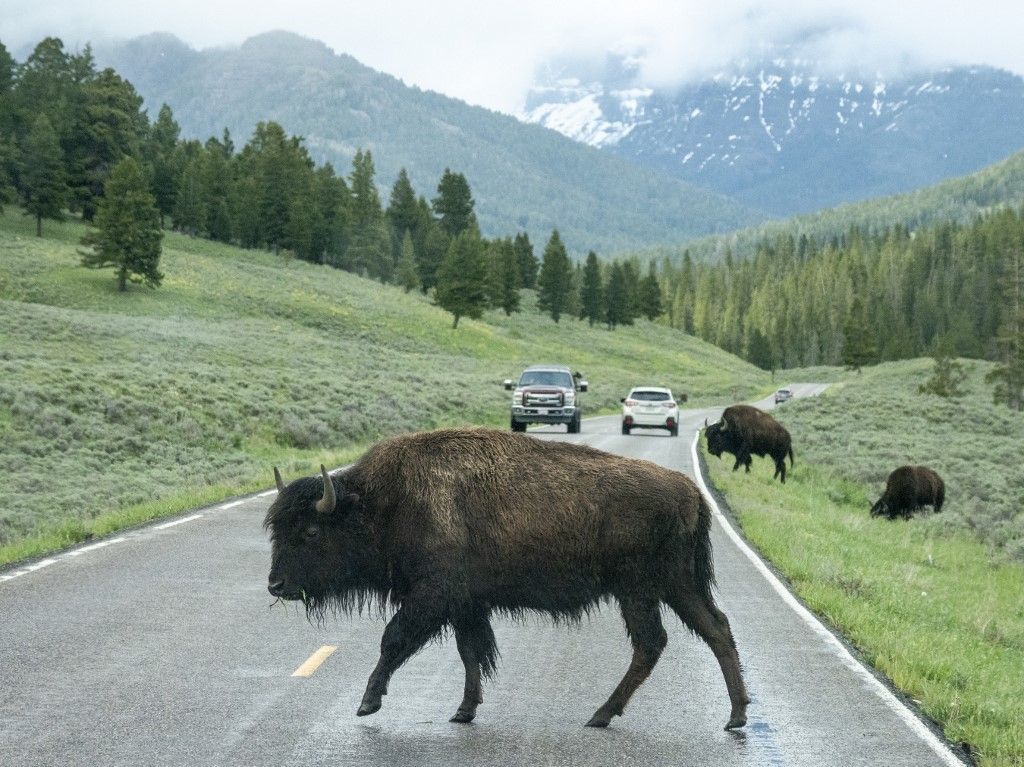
(276, 588)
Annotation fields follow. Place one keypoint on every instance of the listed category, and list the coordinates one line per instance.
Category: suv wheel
(625, 429)
(516, 426)
(674, 431)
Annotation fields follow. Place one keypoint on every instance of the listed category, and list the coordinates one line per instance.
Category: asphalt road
(159, 647)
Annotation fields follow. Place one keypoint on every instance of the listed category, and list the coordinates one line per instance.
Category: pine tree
(631, 281)
(616, 297)
(407, 275)
(165, 159)
(189, 213)
(947, 376)
(1008, 376)
(127, 235)
(509, 276)
(454, 203)
(528, 263)
(43, 182)
(555, 278)
(369, 249)
(759, 351)
(107, 124)
(858, 346)
(462, 279)
(650, 295)
(592, 291)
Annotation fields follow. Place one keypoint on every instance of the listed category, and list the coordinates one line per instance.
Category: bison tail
(791, 456)
(703, 559)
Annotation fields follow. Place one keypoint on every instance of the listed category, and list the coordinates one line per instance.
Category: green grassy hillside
(114, 408)
(956, 199)
(934, 603)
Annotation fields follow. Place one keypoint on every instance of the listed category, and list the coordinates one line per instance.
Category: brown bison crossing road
(161, 650)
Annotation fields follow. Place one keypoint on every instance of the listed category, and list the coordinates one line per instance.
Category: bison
(451, 526)
(744, 431)
(907, 489)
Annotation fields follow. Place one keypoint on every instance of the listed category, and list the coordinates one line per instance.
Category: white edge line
(94, 546)
(898, 707)
(231, 505)
(181, 521)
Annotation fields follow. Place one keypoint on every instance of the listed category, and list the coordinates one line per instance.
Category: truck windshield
(546, 378)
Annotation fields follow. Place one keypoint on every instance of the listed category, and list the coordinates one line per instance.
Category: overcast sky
(487, 52)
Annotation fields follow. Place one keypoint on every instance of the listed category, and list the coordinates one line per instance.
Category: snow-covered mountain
(784, 134)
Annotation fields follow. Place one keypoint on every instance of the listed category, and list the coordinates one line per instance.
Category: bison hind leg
(711, 625)
(647, 633)
(479, 652)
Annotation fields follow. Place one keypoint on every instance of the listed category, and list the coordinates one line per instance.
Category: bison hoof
(368, 707)
(463, 717)
(736, 721)
(599, 720)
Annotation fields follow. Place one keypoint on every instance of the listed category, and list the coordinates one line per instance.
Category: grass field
(936, 603)
(115, 408)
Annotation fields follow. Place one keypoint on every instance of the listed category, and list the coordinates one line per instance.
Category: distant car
(650, 407)
(547, 394)
(782, 395)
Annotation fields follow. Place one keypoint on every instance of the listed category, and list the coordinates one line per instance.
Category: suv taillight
(668, 404)
(631, 403)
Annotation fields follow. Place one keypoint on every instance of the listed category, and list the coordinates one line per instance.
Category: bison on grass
(451, 526)
(909, 488)
(744, 431)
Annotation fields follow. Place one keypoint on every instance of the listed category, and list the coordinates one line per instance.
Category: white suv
(650, 407)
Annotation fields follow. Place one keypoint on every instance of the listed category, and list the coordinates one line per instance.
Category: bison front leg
(478, 650)
(643, 622)
(415, 623)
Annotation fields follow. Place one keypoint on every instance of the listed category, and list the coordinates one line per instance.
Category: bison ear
(350, 503)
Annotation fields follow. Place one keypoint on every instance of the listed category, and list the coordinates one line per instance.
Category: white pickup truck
(546, 394)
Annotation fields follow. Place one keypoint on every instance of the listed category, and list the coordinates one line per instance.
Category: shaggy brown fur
(452, 525)
(909, 488)
(744, 431)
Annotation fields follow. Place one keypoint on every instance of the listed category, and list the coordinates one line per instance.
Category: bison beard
(451, 526)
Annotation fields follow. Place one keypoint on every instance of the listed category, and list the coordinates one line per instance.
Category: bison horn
(705, 423)
(326, 504)
(725, 424)
(278, 480)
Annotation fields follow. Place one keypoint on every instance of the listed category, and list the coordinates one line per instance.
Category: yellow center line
(314, 661)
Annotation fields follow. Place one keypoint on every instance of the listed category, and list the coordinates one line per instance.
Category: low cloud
(489, 53)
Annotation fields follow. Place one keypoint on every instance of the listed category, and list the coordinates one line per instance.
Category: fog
(488, 54)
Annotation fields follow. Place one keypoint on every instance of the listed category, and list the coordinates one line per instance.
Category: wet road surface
(158, 647)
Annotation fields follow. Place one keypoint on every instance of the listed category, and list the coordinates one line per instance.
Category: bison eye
(311, 532)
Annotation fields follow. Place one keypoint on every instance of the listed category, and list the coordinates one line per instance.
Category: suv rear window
(649, 396)
(546, 378)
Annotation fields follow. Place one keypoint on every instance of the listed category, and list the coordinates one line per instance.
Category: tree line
(862, 297)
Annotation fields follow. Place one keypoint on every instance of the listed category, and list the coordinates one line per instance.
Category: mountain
(522, 176)
(955, 200)
(785, 134)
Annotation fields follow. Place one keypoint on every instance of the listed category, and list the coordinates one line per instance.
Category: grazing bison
(452, 525)
(909, 488)
(744, 431)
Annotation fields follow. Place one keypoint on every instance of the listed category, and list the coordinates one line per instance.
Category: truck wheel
(574, 425)
(516, 426)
